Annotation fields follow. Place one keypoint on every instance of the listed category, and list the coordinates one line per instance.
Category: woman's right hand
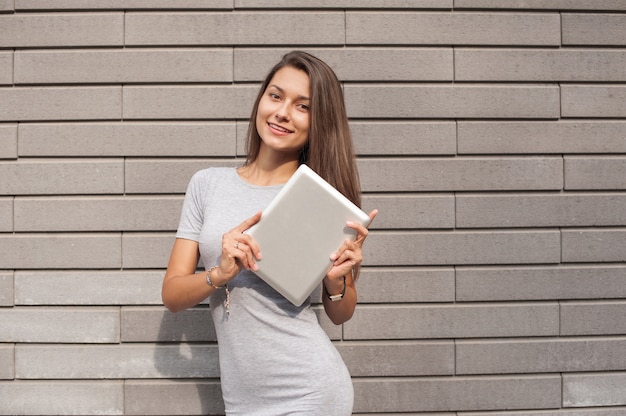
(239, 250)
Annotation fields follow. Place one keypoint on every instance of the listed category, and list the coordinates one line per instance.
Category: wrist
(212, 278)
(211, 282)
(333, 285)
(335, 294)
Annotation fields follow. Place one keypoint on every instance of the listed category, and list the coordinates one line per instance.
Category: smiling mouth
(279, 128)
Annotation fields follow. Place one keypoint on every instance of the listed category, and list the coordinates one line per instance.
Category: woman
(274, 357)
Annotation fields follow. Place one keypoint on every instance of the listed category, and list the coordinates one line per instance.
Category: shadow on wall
(186, 355)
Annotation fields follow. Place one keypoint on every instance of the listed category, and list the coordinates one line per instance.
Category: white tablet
(303, 225)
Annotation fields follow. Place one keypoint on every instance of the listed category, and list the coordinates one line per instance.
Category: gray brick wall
(491, 135)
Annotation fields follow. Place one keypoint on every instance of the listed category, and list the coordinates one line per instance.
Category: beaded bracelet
(208, 278)
(210, 283)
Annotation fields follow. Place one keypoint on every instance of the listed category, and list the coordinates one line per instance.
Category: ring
(236, 245)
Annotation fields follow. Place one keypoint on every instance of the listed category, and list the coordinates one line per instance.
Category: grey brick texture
(490, 134)
(6, 284)
(6, 214)
(139, 139)
(6, 6)
(6, 68)
(59, 103)
(125, 66)
(8, 141)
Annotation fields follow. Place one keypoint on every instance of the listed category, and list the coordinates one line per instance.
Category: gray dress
(274, 357)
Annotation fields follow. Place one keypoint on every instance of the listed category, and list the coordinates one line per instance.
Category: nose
(282, 112)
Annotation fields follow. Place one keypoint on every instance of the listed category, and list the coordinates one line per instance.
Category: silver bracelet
(210, 283)
(208, 278)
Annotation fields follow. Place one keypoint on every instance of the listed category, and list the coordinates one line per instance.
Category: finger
(339, 252)
(362, 231)
(340, 270)
(372, 216)
(237, 236)
(247, 223)
(249, 241)
(229, 265)
(349, 257)
(348, 252)
(229, 258)
(245, 255)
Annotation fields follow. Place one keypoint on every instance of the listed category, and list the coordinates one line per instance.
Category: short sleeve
(192, 214)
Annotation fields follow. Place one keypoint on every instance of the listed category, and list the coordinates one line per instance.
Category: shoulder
(208, 175)
(205, 182)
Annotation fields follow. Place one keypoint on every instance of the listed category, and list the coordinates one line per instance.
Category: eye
(304, 107)
(274, 96)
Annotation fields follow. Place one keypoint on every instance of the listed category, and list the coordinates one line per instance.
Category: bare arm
(340, 311)
(348, 256)
(183, 288)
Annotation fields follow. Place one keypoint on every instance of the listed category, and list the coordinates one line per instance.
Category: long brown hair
(329, 150)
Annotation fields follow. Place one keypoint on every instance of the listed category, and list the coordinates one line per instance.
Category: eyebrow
(300, 97)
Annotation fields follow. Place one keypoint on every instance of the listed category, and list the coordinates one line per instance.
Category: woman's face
(283, 116)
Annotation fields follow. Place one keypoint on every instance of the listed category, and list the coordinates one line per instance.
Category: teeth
(280, 128)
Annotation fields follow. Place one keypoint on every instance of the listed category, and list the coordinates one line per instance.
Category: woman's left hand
(350, 252)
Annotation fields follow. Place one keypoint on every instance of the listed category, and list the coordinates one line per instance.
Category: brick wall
(491, 134)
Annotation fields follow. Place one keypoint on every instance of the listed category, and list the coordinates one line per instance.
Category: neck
(267, 174)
